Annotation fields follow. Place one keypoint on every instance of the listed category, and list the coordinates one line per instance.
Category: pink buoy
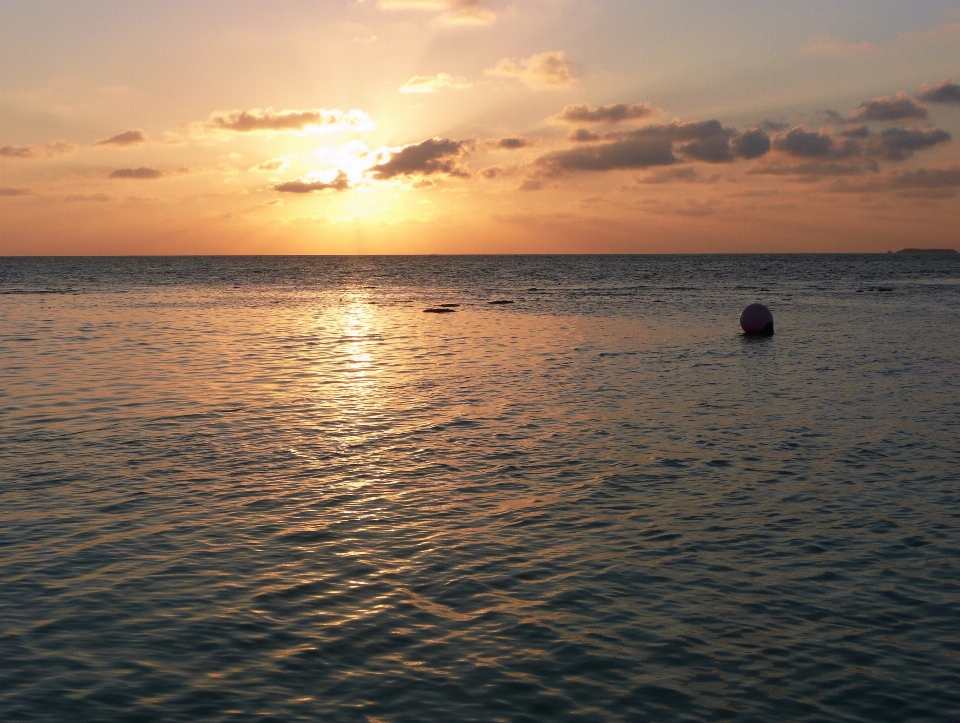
(757, 320)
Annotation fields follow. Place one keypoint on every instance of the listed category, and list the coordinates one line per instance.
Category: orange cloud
(127, 138)
(451, 12)
(146, 173)
(615, 113)
(543, 70)
(260, 120)
(58, 147)
(309, 185)
(433, 83)
(276, 165)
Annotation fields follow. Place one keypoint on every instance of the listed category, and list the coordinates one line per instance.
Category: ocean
(274, 489)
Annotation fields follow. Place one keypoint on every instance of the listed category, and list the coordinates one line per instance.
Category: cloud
(752, 143)
(97, 197)
(892, 144)
(127, 138)
(145, 173)
(628, 153)
(925, 179)
(773, 126)
(946, 91)
(275, 165)
(615, 113)
(855, 131)
(531, 184)
(899, 107)
(8, 191)
(708, 140)
(434, 155)
(829, 46)
(544, 70)
(805, 143)
(583, 135)
(896, 144)
(309, 185)
(452, 12)
(713, 149)
(58, 147)
(653, 145)
(817, 168)
(433, 83)
(510, 143)
(260, 120)
(669, 175)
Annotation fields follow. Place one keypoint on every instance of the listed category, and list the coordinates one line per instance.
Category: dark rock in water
(439, 311)
(500, 301)
(927, 251)
(447, 306)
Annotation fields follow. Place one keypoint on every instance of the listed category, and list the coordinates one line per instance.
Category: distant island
(927, 251)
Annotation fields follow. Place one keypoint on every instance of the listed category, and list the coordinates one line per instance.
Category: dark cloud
(684, 131)
(893, 144)
(709, 141)
(301, 185)
(582, 135)
(146, 172)
(7, 191)
(712, 149)
(615, 113)
(896, 144)
(531, 184)
(628, 153)
(815, 144)
(752, 143)
(58, 147)
(654, 145)
(855, 131)
(127, 138)
(18, 151)
(511, 143)
(434, 155)
(899, 107)
(801, 142)
(773, 126)
(946, 91)
(268, 119)
(491, 172)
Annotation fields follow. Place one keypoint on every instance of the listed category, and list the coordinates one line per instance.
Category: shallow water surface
(274, 489)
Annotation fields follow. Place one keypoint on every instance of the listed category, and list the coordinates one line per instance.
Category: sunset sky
(477, 126)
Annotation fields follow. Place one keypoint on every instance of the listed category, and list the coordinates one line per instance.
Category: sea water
(273, 489)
